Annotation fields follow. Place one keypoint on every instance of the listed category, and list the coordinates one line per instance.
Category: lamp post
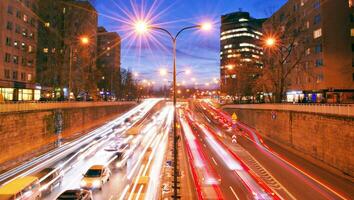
(142, 27)
(84, 40)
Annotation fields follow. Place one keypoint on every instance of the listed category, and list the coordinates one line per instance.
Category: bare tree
(284, 58)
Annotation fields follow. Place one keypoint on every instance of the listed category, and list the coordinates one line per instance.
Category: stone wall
(28, 133)
(325, 140)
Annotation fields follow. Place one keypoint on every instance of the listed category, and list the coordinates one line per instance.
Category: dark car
(77, 194)
(50, 178)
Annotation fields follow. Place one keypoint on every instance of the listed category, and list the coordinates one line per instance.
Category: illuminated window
(352, 32)
(45, 50)
(30, 49)
(350, 3)
(29, 77)
(47, 24)
(308, 51)
(25, 18)
(317, 33)
(243, 20)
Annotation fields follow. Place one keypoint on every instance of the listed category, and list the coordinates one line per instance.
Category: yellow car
(95, 177)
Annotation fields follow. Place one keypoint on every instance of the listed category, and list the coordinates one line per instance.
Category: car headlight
(96, 183)
(83, 183)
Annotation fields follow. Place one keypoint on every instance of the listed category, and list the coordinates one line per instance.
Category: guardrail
(334, 109)
(28, 106)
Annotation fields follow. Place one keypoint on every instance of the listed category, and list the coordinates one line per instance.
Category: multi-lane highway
(140, 136)
(288, 176)
(218, 161)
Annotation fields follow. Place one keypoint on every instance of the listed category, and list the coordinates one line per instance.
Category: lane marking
(233, 192)
(299, 170)
(214, 161)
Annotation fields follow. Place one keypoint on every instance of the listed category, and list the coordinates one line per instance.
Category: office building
(108, 62)
(240, 51)
(63, 25)
(18, 44)
(325, 42)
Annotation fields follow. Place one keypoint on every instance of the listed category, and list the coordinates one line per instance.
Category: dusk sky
(196, 50)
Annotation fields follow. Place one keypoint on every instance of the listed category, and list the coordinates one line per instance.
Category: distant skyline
(196, 50)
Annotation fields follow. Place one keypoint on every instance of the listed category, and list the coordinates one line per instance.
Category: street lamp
(83, 40)
(142, 27)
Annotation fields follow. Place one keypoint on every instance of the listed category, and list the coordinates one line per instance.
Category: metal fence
(334, 109)
(30, 106)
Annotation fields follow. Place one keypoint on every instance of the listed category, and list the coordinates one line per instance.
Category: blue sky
(196, 50)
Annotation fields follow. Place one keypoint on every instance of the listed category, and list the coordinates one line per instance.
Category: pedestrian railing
(334, 109)
(30, 106)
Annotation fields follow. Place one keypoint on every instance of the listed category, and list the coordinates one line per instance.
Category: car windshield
(69, 195)
(93, 173)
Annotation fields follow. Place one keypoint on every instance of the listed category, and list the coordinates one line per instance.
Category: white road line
(299, 170)
(214, 161)
(233, 192)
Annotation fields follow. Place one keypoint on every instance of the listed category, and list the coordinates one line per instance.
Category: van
(23, 188)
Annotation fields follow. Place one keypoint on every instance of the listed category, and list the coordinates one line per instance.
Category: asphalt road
(290, 178)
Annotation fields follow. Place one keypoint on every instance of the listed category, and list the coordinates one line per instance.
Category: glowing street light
(142, 27)
(206, 26)
(270, 42)
(84, 40)
(163, 72)
(188, 71)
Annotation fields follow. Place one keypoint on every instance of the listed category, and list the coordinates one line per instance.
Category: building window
(23, 46)
(31, 35)
(319, 62)
(9, 26)
(45, 50)
(16, 44)
(317, 4)
(15, 59)
(308, 51)
(29, 77)
(24, 32)
(18, 29)
(30, 49)
(8, 41)
(352, 32)
(7, 57)
(18, 14)
(47, 24)
(319, 78)
(317, 33)
(10, 10)
(23, 76)
(25, 18)
(350, 2)
(307, 24)
(14, 75)
(317, 19)
(24, 61)
(7, 73)
(352, 47)
(318, 48)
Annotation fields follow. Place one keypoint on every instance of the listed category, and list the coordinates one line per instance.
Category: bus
(23, 188)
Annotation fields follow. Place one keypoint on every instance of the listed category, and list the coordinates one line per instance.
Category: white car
(95, 177)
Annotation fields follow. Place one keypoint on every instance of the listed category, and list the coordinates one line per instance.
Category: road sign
(234, 139)
(234, 118)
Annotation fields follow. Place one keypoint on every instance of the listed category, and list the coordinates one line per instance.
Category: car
(51, 178)
(95, 177)
(76, 194)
